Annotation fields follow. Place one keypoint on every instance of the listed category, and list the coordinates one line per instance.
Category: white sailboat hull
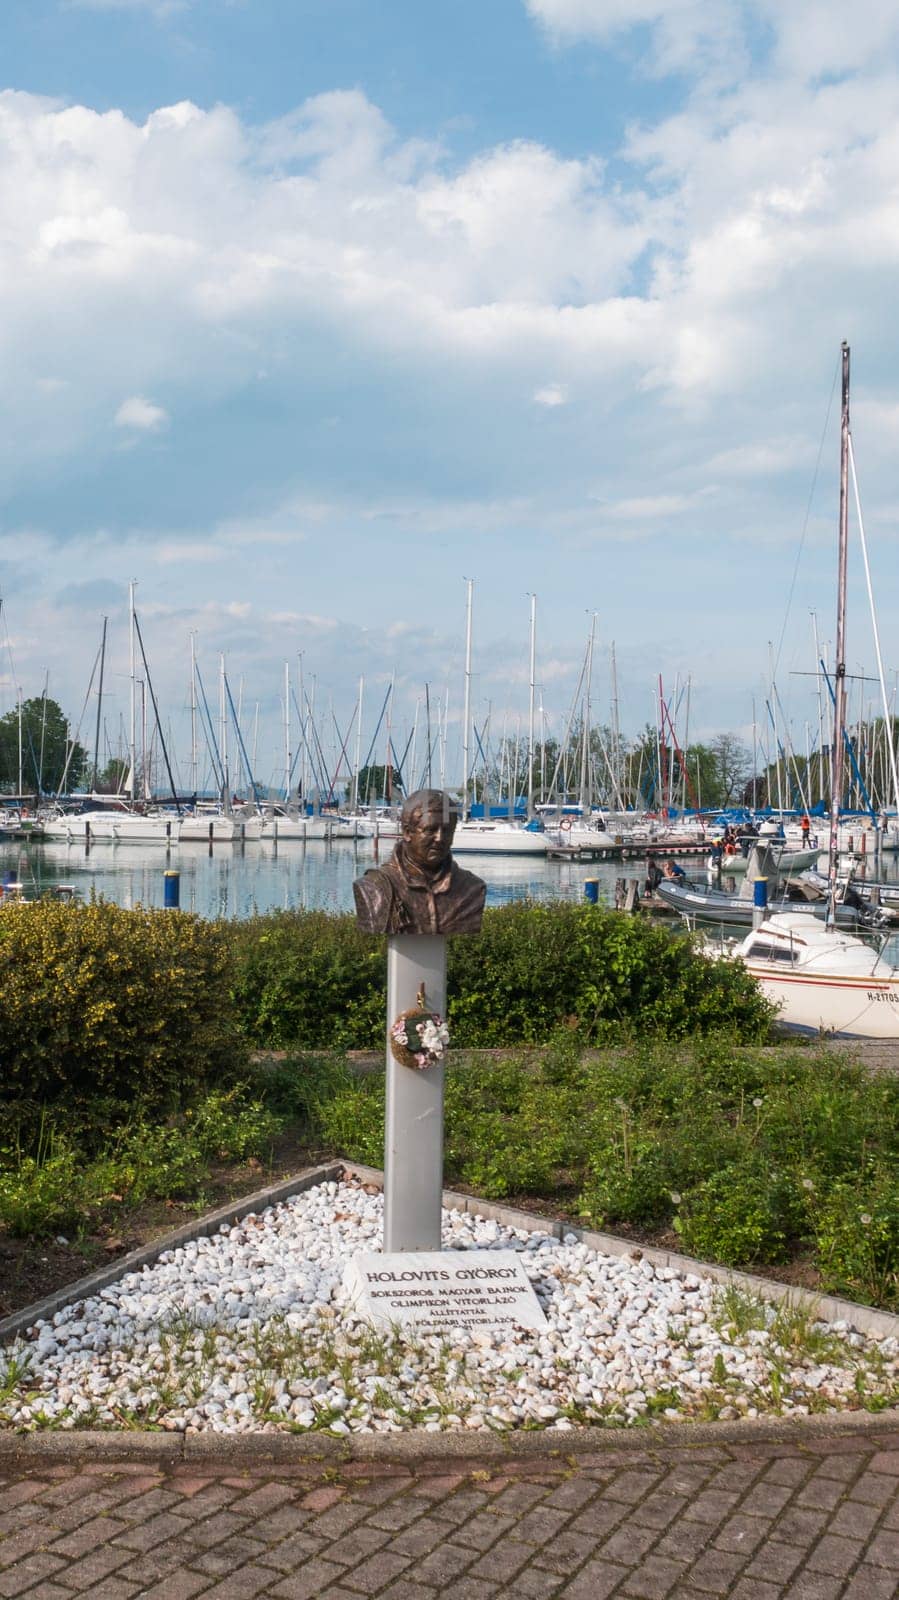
(497, 839)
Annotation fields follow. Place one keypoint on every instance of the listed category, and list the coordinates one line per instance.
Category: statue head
(428, 823)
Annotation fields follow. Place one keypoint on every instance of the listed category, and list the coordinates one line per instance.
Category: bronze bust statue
(421, 889)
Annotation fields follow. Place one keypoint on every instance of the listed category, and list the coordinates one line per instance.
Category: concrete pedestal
(413, 1131)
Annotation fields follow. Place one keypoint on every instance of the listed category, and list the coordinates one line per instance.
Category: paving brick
(268, 1497)
(541, 1524)
(660, 1510)
(520, 1497)
(15, 1494)
(883, 1551)
(89, 1572)
(814, 1586)
(483, 1531)
(151, 1566)
(229, 1557)
(213, 1530)
(742, 1535)
(871, 1583)
(146, 1505)
(653, 1579)
(419, 1539)
(180, 1586)
(357, 1544)
(775, 1562)
(765, 1500)
(112, 1589)
(308, 1582)
(403, 1589)
(628, 1544)
(338, 1519)
(873, 1489)
(25, 1573)
(568, 1552)
(502, 1563)
(144, 1535)
(467, 1588)
(395, 1514)
(716, 1571)
(799, 1525)
(845, 1468)
(821, 1493)
(375, 1572)
(572, 1495)
(754, 1589)
(447, 1561)
(90, 1534)
(632, 1486)
(711, 1506)
(321, 1499)
(594, 1521)
(535, 1583)
(790, 1470)
(835, 1555)
(24, 1543)
(291, 1553)
(242, 1585)
(885, 1461)
(594, 1582)
(852, 1518)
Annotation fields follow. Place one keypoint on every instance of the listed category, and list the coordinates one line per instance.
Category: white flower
(865, 1218)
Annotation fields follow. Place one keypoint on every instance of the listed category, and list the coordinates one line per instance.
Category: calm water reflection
(237, 882)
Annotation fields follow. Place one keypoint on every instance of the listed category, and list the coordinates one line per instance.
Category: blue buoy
(760, 893)
(172, 892)
(591, 891)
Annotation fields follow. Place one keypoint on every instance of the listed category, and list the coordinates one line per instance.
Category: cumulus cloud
(141, 414)
(551, 395)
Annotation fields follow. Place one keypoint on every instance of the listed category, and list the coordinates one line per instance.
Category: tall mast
(586, 796)
(531, 690)
(132, 731)
(99, 707)
(193, 712)
(466, 709)
(286, 732)
(358, 757)
(839, 709)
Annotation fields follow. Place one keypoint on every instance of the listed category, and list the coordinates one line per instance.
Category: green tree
(46, 749)
(379, 783)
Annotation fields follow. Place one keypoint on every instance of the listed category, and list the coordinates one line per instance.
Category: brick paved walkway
(812, 1519)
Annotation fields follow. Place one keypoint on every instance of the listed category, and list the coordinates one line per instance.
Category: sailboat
(822, 980)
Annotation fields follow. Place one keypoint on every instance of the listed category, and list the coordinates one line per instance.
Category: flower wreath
(419, 1037)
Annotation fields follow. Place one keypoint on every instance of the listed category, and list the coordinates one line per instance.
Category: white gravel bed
(251, 1329)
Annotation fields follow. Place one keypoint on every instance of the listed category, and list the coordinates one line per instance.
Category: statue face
(428, 836)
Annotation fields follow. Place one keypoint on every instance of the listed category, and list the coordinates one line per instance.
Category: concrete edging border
(272, 1448)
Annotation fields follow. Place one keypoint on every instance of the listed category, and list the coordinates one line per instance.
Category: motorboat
(822, 980)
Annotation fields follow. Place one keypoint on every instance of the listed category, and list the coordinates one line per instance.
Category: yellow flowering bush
(104, 1010)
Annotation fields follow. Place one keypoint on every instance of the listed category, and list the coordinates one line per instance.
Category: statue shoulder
(374, 896)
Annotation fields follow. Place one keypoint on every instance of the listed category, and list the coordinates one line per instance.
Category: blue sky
(315, 308)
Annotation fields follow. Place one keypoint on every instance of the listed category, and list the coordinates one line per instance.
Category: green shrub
(740, 1215)
(105, 1010)
(314, 982)
(856, 1230)
(310, 981)
(64, 1187)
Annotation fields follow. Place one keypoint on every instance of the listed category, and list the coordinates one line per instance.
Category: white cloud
(552, 394)
(141, 414)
